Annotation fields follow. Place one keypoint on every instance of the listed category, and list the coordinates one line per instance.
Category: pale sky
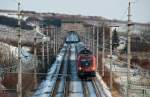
(111, 9)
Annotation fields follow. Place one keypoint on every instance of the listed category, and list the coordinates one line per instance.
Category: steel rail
(85, 89)
(53, 93)
(97, 90)
(66, 88)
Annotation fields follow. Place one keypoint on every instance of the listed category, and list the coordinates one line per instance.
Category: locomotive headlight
(93, 68)
(80, 68)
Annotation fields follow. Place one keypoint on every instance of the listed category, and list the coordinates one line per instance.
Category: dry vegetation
(106, 78)
(10, 82)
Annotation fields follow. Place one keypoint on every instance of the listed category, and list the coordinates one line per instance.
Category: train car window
(85, 62)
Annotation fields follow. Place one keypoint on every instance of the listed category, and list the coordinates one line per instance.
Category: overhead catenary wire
(145, 40)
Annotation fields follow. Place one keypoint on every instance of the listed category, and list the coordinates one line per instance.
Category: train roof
(85, 51)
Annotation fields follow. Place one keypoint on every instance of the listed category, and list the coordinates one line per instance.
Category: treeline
(139, 45)
(12, 22)
(144, 63)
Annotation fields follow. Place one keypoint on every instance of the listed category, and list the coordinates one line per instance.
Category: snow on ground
(60, 90)
(91, 89)
(44, 37)
(26, 57)
(10, 34)
(73, 51)
(122, 43)
(72, 37)
(13, 15)
(46, 87)
(75, 86)
(103, 87)
(121, 72)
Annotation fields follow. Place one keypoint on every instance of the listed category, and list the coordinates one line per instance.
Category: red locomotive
(86, 63)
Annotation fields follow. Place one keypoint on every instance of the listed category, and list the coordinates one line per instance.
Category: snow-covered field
(104, 87)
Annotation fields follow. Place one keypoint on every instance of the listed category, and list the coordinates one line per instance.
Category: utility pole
(50, 43)
(51, 37)
(35, 61)
(111, 82)
(19, 85)
(129, 47)
(103, 52)
(87, 37)
(84, 39)
(43, 55)
(47, 46)
(53, 46)
(54, 40)
(110, 59)
(58, 39)
(97, 49)
(93, 40)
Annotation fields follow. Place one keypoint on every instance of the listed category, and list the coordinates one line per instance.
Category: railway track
(47, 86)
(85, 89)
(91, 88)
(61, 82)
(66, 82)
(66, 71)
(97, 89)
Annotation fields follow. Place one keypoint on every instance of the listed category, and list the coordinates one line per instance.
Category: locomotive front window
(86, 62)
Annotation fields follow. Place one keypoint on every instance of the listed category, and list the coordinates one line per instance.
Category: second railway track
(60, 86)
